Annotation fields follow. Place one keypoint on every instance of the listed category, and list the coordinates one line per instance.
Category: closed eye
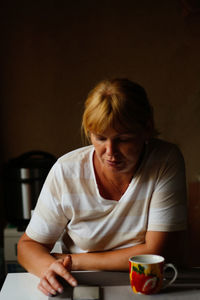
(126, 138)
(100, 138)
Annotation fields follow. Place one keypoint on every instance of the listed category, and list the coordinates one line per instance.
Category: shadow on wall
(194, 224)
(2, 215)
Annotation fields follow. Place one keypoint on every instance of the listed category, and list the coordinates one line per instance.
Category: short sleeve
(49, 220)
(168, 206)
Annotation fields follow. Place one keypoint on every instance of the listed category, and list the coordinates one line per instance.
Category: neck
(112, 185)
(117, 178)
(113, 175)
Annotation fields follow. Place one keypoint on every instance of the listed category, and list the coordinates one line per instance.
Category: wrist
(58, 255)
(76, 266)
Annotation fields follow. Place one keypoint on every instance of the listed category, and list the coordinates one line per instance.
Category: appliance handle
(33, 153)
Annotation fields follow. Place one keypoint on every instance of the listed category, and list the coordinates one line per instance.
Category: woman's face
(118, 152)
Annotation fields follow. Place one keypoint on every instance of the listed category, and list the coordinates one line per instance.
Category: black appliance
(23, 179)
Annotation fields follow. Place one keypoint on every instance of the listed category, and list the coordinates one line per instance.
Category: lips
(113, 162)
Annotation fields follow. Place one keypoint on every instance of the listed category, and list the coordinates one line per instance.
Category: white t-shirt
(70, 201)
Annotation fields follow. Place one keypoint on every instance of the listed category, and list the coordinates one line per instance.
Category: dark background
(54, 52)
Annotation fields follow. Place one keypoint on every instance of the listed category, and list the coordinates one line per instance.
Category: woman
(121, 196)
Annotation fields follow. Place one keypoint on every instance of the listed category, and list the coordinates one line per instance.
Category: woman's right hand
(49, 283)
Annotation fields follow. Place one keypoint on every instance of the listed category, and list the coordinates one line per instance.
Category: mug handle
(166, 284)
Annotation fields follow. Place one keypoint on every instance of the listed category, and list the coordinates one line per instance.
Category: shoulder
(74, 162)
(163, 158)
(161, 149)
(79, 154)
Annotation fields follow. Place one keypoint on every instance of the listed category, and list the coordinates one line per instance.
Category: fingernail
(74, 283)
(49, 295)
(60, 290)
(53, 292)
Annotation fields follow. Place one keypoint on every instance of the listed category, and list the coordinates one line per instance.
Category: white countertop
(23, 286)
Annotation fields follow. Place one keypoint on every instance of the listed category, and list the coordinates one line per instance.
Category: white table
(23, 286)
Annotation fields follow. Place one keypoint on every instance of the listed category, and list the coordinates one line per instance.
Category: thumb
(67, 263)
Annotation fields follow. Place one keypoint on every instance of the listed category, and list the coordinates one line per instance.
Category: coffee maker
(23, 179)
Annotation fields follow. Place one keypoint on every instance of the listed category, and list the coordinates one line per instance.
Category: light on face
(111, 147)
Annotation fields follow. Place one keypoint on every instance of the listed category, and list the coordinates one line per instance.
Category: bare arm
(32, 255)
(161, 243)
(36, 258)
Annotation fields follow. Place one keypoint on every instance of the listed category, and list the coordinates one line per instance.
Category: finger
(51, 283)
(69, 278)
(43, 291)
(46, 288)
(67, 263)
(64, 273)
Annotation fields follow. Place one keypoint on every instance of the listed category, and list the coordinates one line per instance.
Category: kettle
(24, 177)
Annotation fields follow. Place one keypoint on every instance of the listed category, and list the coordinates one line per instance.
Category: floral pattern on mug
(146, 279)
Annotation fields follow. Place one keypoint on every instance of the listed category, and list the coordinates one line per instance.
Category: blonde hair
(117, 103)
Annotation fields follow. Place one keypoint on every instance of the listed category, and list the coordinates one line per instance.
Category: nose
(111, 148)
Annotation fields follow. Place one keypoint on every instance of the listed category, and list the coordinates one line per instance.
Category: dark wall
(53, 52)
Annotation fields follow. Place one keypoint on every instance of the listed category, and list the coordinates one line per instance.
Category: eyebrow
(118, 135)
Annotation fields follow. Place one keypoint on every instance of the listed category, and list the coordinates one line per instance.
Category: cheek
(99, 149)
(133, 152)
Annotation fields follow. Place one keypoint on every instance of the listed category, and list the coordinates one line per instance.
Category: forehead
(111, 132)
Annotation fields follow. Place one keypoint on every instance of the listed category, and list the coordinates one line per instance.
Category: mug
(147, 273)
